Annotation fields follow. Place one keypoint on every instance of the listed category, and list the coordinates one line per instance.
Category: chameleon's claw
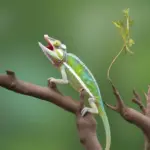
(51, 82)
(84, 111)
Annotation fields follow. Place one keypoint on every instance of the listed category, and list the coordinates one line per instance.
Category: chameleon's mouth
(49, 51)
(50, 45)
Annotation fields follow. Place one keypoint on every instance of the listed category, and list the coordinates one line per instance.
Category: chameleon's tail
(103, 115)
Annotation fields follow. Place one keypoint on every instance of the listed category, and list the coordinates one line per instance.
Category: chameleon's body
(75, 73)
(78, 67)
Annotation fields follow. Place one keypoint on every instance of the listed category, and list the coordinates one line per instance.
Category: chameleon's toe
(51, 82)
(84, 111)
(50, 79)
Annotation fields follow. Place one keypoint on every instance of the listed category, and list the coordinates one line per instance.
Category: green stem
(108, 71)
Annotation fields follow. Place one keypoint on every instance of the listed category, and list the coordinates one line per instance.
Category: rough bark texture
(86, 125)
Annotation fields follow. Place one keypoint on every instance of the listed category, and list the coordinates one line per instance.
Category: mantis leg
(64, 79)
(93, 108)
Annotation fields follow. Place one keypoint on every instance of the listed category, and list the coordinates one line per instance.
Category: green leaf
(124, 27)
(126, 12)
(117, 24)
(131, 42)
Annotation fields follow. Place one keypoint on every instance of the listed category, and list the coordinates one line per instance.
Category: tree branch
(141, 120)
(10, 82)
(87, 128)
(86, 125)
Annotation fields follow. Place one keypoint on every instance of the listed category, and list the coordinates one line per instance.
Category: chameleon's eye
(57, 43)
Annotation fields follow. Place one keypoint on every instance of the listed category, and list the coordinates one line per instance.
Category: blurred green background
(86, 28)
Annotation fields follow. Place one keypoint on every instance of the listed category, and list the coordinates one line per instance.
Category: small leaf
(126, 12)
(117, 24)
(131, 42)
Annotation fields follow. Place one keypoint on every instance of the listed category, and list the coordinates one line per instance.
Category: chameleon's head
(55, 50)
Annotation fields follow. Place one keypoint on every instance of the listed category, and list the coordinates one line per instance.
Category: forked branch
(86, 125)
(141, 120)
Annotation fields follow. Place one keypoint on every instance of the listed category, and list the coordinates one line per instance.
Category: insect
(76, 73)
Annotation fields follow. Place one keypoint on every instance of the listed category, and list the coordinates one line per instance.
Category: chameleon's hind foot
(84, 111)
(90, 110)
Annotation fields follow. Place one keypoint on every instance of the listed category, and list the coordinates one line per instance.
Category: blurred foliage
(85, 27)
(124, 29)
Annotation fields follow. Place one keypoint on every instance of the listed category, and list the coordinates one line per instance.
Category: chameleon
(77, 74)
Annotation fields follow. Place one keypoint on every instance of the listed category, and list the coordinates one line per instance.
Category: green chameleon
(75, 72)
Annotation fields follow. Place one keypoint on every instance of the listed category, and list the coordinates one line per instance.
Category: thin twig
(137, 100)
(113, 61)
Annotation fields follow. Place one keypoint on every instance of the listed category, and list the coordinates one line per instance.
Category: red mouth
(50, 46)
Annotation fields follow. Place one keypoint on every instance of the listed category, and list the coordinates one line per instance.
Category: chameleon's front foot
(51, 83)
(51, 80)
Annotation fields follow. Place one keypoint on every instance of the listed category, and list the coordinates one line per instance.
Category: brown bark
(140, 119)
(86, 125)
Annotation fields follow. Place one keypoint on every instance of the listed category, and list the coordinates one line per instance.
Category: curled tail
(103, 115)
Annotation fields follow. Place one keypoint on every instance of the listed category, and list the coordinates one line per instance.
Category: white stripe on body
(78, 78)
(74, 56)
